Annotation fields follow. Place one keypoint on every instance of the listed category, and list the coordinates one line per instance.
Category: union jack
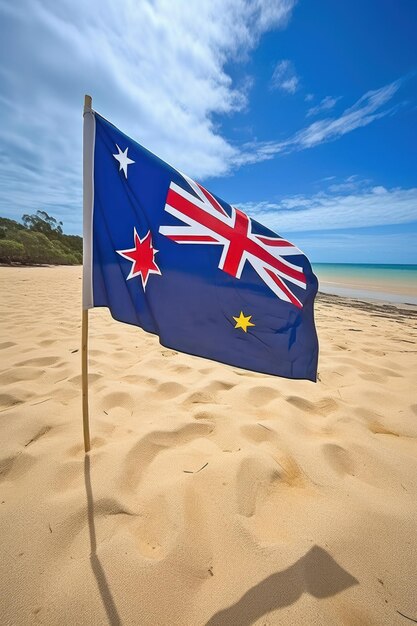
(209, 223)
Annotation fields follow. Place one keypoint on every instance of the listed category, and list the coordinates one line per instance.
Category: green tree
(42, 223)
(8, 228)
(39, 241)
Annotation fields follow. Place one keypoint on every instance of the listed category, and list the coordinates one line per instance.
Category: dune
(212, 495)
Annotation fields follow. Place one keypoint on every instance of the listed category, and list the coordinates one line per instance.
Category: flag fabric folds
(163, 253)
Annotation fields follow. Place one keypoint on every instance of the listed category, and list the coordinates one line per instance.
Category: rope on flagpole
(84, 322)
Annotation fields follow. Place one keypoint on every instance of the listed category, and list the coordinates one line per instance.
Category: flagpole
(84, 370)
(87, 175)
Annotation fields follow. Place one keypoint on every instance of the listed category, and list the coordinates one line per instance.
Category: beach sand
(212, 495)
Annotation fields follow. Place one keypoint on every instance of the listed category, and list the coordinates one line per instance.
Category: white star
(123, 159)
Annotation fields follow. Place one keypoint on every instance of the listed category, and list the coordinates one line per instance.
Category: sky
(303, 114)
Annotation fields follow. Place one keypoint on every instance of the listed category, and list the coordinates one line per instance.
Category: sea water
(392, 283)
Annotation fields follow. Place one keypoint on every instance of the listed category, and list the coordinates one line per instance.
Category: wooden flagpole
(88, 101)
(84, 375)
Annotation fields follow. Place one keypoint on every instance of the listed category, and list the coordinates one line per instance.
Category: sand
(212, 495)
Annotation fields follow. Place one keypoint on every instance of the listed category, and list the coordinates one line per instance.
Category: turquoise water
(394, 283)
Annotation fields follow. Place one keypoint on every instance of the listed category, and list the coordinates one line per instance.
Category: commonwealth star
(243, 321)
(142, 257)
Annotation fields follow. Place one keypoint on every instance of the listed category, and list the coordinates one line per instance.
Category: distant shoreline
(389, 309)
(411, 266)
(337, 293)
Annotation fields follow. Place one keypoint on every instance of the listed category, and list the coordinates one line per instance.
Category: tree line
(38, 240)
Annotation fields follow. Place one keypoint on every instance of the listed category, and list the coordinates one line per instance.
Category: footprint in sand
(169, 526)
(325, 406)
(219, 385)
(263, 484)
(45, 343)
(14, 467)
(72, 531)
(208, 393)
(19, 374)
(378, 429)
(118, 399)
(199, 397)
(142, 454)
(339, 459)
(153, 532)
(182, 369)
(43, 361)
(6, 344)
(139, 379)
(8, 400)
(261, 395)
(92, 378)
(118, 403)
(207, 415)
(253, 482)
(169, 390)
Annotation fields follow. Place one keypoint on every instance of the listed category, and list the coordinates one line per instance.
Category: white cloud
(376, 206)
(284, 77)
(325, 105)
(352, 183)
(156, 68)
(366, 110)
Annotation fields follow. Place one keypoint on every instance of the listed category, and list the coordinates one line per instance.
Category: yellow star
(243, 321)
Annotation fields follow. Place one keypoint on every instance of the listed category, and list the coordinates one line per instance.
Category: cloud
(156, 68)
(325, 105)
(284, 77)
(350, 184)
(375, 206)
(365, 111)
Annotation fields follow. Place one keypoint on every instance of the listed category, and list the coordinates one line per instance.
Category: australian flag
(163, 253)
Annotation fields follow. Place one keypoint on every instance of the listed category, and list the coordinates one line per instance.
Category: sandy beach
(212, 495)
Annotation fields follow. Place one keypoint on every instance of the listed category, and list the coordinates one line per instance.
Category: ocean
(392, 283)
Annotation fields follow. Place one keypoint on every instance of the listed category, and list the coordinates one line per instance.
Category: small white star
(123, 159)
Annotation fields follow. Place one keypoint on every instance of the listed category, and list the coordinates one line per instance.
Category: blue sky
(303, 114)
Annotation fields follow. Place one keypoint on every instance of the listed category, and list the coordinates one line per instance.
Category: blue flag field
(163, 253)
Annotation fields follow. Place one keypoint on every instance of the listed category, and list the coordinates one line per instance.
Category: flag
(163, 253)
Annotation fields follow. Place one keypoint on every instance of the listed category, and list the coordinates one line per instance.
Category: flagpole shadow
(98, 571)
(316, 573)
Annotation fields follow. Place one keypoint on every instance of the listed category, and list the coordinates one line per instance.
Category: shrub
(11, 251)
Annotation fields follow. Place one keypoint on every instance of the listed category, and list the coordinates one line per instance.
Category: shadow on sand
(316, 573)
(98, 571)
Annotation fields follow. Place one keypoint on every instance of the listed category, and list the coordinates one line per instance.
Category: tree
(41, 222)
(39, 241)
